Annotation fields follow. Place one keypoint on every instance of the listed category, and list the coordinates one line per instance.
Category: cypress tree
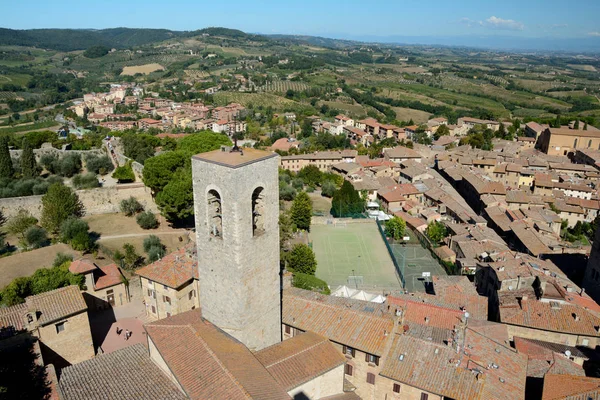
(302, 211)
(6, 167)
(585, 127)
(28, 164)
(576, 126)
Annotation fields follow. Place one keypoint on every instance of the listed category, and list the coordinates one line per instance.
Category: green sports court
(413, 260)
(355, 255)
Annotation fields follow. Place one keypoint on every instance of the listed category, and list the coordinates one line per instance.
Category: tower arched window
(258, 212)
(215, 217)
(575, 144)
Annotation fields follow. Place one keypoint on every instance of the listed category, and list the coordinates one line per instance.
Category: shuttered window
(396, 388)
(349, 369)
(371, 378)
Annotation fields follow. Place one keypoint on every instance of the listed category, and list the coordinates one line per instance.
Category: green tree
(147, 220)
(301, 211)
(36, 237)
(6, 165)
(61, 258)
(96, 51)
(395, 227)
(124, 174)
(311, 175)
(501, 133)
(98, 165)
(202, 142)
(19, 224)
(347, 201)
(176, 200)
(16, 291)
(47, 279)
(436, 231)
(306, 129)
(131, 259)
(286, 192)
(328, 189)
(29, 167)
(154, 248)
(442, 130)
(159, 170)
(576, 126)
(72, 227)
(58, 204)
(131, 206)
(585, 127)
(302, 259)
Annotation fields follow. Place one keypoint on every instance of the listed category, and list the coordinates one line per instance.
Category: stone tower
(236, 205)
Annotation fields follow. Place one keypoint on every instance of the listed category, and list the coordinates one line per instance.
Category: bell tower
(236, 206)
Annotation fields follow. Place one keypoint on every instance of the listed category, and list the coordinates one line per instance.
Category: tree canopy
(6, 166)
(58, 204)
(302, 259)
(159, 170)
(436, 231)
(29, 167)
(346, 202)
(202, 142)
(395, 227)
(301, 212)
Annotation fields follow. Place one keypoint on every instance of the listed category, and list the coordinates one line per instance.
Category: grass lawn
(321, 205)
(354, 250)
(25, 264)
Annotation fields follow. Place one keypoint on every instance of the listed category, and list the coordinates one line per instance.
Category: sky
(345, 18)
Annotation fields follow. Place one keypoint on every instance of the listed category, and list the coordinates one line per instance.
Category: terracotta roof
(359, 324)
(300, 359)
(56, 304)
(107, 276)
(126, 374)
(11, 320)
(400, 152)
(546, 357)
(469, 375)
(229, 370)
(569, 387)
(82, 266)
(174, 269)
(548, 316)
(573, 132)
(427, 314)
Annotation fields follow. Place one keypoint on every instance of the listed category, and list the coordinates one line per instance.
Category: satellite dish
(467, 315)
(568, 353)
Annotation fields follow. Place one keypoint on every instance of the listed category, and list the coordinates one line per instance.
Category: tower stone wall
(237, 236)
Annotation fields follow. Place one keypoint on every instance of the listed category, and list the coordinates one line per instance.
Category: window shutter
(396, 388)
(376, 359)
(349, 369)
(371, 378)
(367, 357)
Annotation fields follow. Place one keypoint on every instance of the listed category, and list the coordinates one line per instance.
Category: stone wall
(103, 200)
(38, 153)
(72, 345)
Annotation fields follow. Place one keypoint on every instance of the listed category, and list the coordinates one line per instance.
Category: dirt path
(147, 233)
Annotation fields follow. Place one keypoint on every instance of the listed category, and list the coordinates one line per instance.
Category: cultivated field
(354, 250)
(142, 69)
(406, 114)
(256, 99)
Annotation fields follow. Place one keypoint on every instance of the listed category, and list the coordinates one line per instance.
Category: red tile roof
(56, 304)
(107, 276)
(210, 364)
(569, 387)
(359, 324)
(548, 316)
(174, 269)
(482, 369)
(300, 359)
(82, 266)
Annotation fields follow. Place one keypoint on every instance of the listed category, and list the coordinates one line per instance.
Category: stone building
(591, 279)
(58, 319)
(170, 285)
(563, 141)
(236, 206)
(104, 286)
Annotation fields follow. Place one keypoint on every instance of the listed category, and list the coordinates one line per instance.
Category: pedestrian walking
(118, 331)
(126, 334)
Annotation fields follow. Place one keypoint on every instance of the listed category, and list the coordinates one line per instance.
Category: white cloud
(595, 34)
(469, 22)
(505, 24)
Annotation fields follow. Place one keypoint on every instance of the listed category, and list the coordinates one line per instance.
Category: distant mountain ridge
(81, 39)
